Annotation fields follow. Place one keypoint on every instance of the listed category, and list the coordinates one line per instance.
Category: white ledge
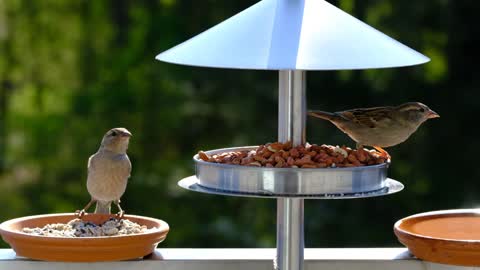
(237, 259)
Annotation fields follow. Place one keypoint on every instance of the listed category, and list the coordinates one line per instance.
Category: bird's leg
(120, 213)
(383, 153)
(81, 213)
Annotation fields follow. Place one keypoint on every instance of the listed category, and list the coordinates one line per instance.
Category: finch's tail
(323, 115)
(103, 207)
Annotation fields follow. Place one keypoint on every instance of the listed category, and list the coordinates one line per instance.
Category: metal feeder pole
(291, 127)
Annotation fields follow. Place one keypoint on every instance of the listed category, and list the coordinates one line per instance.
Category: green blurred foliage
(70, 70)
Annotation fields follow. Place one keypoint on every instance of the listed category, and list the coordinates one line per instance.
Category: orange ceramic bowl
(449, 237)
(84, 249)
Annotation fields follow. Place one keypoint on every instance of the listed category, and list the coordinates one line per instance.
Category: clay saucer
(449, 237)
(82, 249)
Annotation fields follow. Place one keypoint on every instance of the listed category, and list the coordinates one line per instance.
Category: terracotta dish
(449, 237)
(84, 249)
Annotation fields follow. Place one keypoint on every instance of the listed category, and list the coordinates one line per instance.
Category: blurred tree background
(71, 70)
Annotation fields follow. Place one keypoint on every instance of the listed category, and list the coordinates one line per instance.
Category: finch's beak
(431, 114)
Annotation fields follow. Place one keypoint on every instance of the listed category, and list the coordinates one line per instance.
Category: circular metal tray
(391, 186)
(289, 182)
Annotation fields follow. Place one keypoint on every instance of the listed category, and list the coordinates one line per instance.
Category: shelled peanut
(283, 155)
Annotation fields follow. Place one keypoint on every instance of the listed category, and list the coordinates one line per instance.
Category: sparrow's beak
(126, 134)
(431, 114)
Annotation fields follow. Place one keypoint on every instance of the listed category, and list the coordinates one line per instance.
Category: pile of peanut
(283, 155)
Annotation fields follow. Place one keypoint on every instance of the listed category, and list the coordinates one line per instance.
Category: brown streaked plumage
(379, 126)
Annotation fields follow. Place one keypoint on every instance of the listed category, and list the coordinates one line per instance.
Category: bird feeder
(293, 37)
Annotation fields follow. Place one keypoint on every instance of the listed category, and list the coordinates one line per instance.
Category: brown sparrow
(379, 126)
(108, 172)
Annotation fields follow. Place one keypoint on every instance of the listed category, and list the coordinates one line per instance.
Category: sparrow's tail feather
(103, 207)
(323, 115)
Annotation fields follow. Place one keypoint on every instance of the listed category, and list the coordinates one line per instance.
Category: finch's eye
(114, 133)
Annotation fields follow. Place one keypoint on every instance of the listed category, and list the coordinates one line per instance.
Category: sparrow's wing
(126, 167)
(367, 117)
(90, 164)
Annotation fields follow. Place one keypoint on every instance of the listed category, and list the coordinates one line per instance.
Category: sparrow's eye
(422, 110)
(114, 133)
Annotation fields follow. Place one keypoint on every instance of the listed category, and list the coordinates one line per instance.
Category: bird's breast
(107, 178)
(380, 137)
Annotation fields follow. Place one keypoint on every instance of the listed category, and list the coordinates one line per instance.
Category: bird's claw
(384, 154)
(120, 214)
(80, 213)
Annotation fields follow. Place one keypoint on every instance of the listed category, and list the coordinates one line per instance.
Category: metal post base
(290, 235)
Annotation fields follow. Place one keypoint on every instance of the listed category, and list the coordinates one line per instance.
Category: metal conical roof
(293, 34)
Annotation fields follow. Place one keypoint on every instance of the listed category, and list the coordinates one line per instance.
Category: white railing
(242, 259)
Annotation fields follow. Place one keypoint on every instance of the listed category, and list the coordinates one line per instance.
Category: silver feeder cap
(293, 34)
